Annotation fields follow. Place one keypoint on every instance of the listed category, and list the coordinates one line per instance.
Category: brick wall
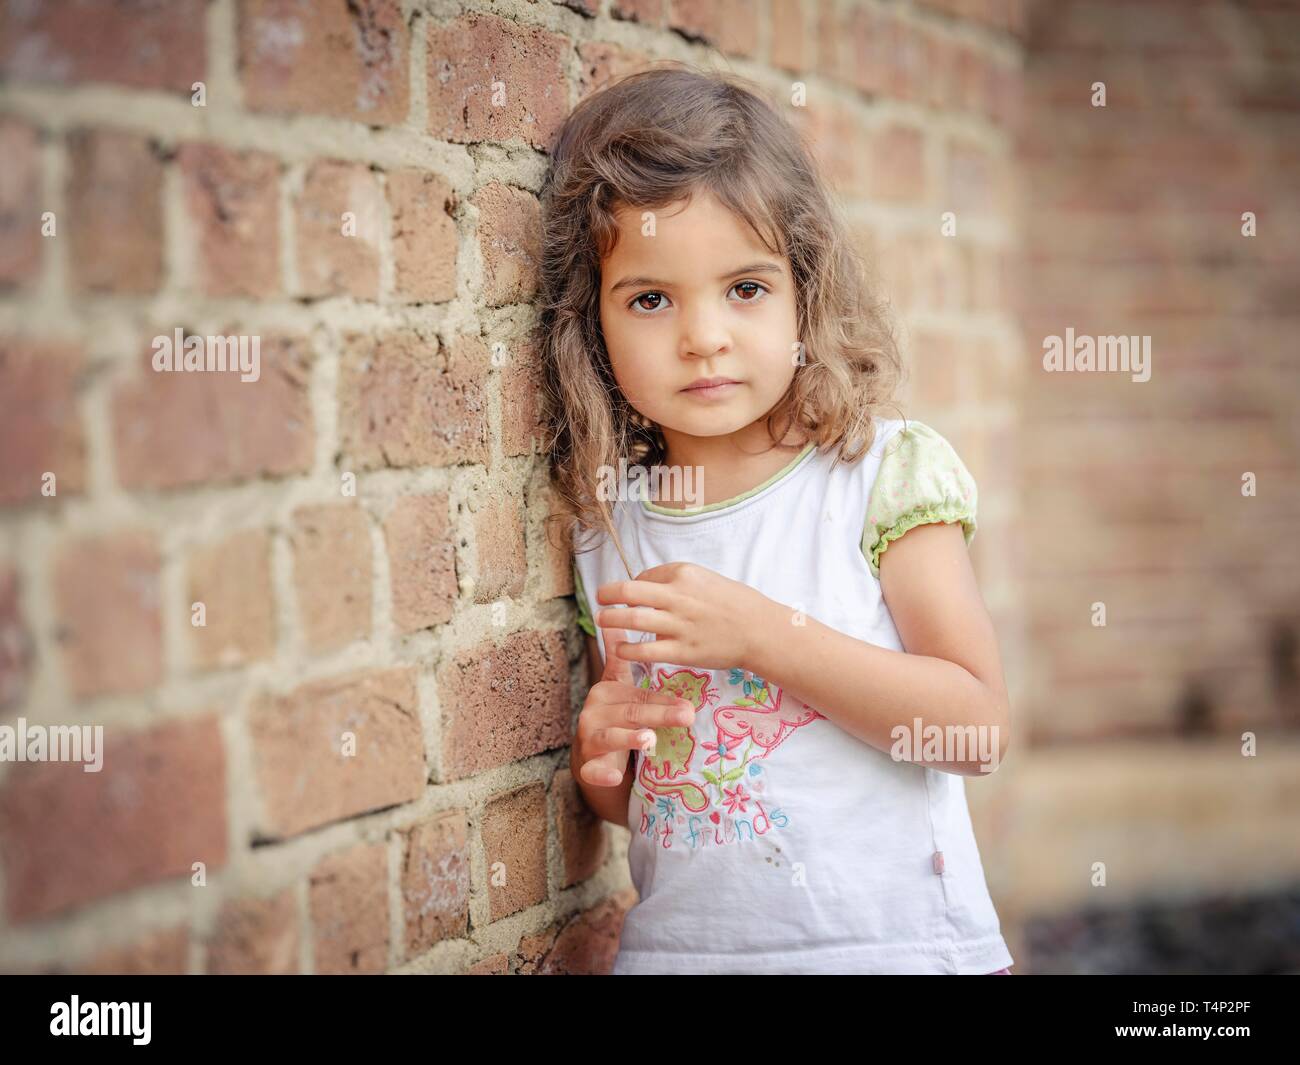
(1133, 490)
(359, 530)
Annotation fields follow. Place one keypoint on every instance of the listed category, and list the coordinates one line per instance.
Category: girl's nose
(704, 335)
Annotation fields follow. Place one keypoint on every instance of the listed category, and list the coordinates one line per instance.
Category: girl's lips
(713, 391)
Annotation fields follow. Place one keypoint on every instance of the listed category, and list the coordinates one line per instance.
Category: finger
(613, 738)
(653, 651)
(605, 770)
(639, 619)
(635, 593)
(657, 710)
(616, 667)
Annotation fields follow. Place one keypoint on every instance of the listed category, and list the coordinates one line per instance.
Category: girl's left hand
(699, 617)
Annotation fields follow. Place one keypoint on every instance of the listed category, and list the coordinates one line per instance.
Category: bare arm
(949, 674)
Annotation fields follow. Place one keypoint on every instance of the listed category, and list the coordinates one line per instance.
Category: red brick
(347, 59)
(789, 42)
(424, 235)
(647, 12)
(233, 200)
(603, 62)
(232, 579)
(504, 701)
(502, 552)
(172, 429)
(866, 35)
(349, 911)
(157, 806)
(305, 777)
(114, 219)
(338, 256)
(161, 953)
(106, 594)
(905, 57)
(514, 848)
(16, 650)
(20, 203)
(523, 427)
(405, 400)
(583, 945)
(732, 25)
(143, 45)
(898, 163)
(495, 965)
(510, 242)
(581, 832)
(421, 562)
(332, 573)
(435, 882)
(256, 936)
(41, 430)
(970, 179)
(469, 55)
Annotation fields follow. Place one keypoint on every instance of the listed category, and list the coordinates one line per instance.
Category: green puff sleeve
(921, 480)
(584, 611)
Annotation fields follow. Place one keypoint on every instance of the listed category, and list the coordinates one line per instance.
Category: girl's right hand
(618, 717)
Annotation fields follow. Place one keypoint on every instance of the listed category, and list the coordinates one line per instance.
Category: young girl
(782, 631)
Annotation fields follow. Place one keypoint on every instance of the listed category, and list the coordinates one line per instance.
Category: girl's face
(700, 298)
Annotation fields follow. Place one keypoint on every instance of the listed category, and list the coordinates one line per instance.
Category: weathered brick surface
(583, 945)
(141, 45)
(406, 400)
(424, 235)
(256, 936)
(509, 230)
(502, 553)
(504, 701)
(332, 573)
(20, 203)
(581, 832)
(435, 881)
(161, 953)
(41, 428)
(232, 579)
(107, 593)
(114, 221)
(349, 911)
(336, 748)
(493, 80)
(340, 214)
(172, 429)
(16, 651)
(345, 59)
(514, 846)
(68, 837)
(233, 200)
(421, 562)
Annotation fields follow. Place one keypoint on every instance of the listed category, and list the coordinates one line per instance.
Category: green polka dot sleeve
(921, 480)
(584, 611)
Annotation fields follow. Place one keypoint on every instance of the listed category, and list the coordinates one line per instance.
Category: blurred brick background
(363, 524)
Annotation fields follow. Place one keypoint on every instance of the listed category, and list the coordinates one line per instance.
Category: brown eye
(637, 304)
(754, 285)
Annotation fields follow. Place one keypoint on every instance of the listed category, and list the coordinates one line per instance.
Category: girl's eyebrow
(753, 268)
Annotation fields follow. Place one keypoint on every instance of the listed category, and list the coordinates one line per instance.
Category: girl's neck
(731, 464)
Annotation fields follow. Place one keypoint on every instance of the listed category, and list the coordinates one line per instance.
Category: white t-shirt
(765, 838)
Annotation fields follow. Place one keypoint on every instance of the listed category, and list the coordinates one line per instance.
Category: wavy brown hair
(653, 139)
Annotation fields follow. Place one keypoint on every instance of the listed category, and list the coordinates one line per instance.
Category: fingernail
(647, 740)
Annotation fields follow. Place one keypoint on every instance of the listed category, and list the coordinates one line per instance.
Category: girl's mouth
(712, 391)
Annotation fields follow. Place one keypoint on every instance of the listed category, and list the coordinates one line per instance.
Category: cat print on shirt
(689, 783)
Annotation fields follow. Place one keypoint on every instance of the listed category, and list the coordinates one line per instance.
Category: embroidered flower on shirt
(721, 752)
(735, 799)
